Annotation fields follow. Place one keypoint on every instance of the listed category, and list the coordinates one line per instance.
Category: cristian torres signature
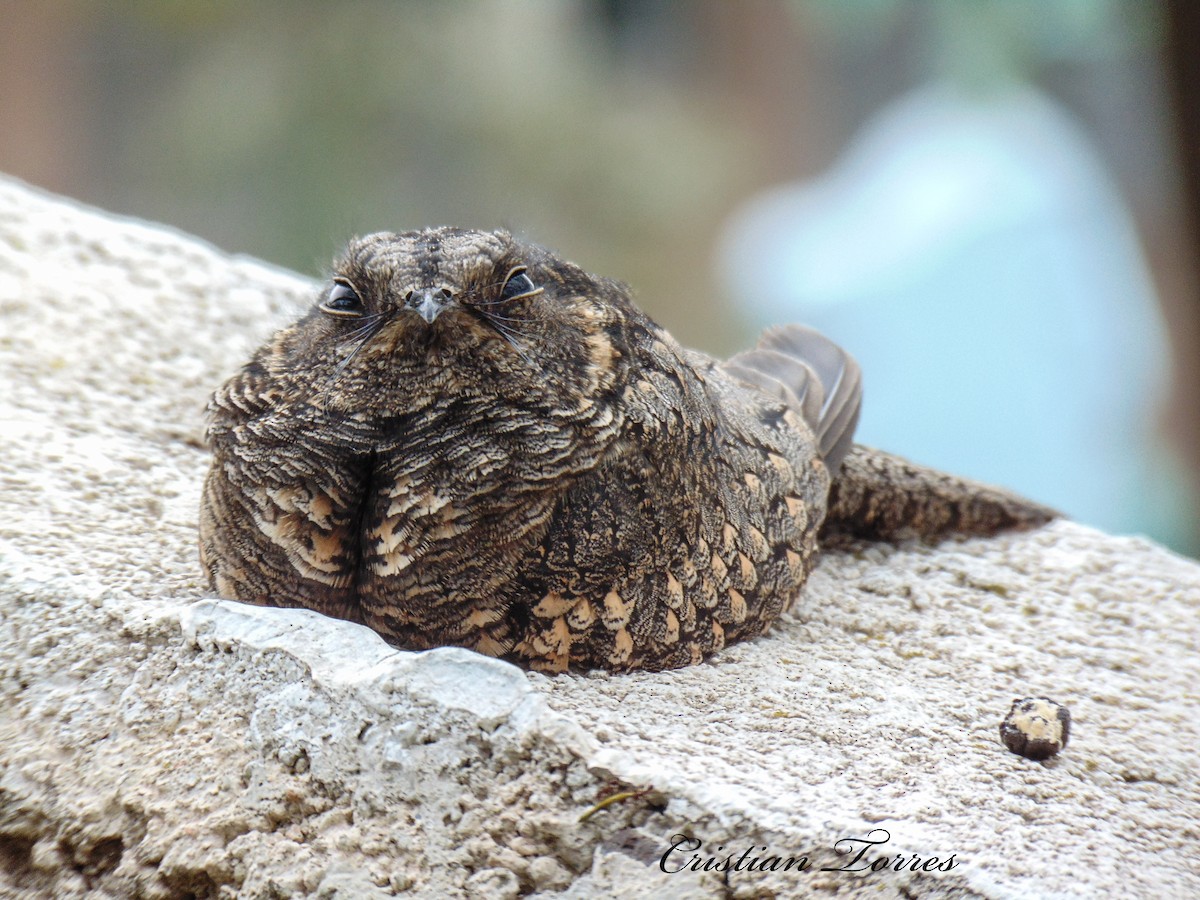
(857, 854)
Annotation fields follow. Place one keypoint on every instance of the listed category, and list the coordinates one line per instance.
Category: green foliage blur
(280, 129)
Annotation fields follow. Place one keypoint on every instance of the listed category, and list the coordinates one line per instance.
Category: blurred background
(991, 204)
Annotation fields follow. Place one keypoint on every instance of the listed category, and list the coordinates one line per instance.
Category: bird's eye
(518, 284)
(343, 300)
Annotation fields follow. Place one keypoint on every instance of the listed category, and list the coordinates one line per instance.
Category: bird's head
(450, 312)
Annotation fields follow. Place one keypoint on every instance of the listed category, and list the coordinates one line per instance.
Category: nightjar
(470, 441)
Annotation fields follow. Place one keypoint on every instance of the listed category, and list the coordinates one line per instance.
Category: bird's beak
(428, 303)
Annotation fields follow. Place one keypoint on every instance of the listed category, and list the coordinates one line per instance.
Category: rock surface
(158, 743)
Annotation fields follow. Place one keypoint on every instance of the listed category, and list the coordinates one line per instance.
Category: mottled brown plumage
(470, 441)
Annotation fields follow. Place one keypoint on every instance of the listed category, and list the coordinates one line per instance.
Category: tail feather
(792, 361)
(878, 496)
(874, 495)
(787, 377)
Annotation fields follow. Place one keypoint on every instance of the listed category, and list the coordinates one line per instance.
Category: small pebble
(1036, 727)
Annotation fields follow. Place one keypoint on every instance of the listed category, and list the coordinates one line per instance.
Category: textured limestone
(158, 743)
